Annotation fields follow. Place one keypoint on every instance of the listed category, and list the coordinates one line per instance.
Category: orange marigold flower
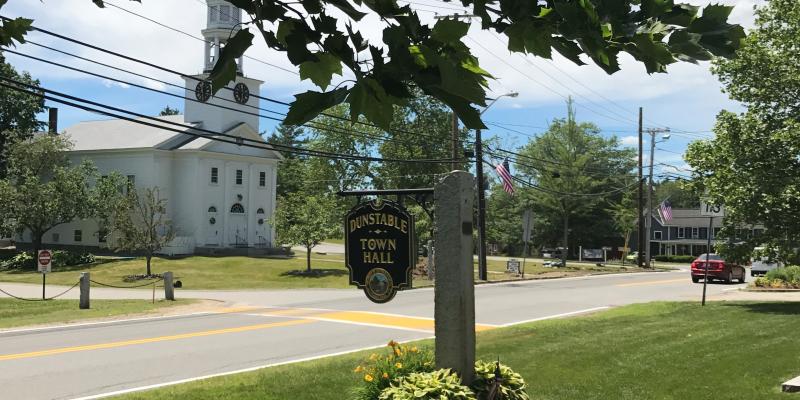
(368, 378)
(385, 375)
(398, 352)
(358, 369)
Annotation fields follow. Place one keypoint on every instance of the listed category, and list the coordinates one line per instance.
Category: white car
(760, 265)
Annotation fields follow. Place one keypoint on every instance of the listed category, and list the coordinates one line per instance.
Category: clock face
(203, 91)
(241, 93)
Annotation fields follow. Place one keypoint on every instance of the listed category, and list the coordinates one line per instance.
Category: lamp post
(482, 272)
(649, 220)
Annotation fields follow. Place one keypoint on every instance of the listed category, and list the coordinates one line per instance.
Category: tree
(307, 220)
(679, 193)
(169, 111)
(573, 168)
(291, 170)
(624, 215)
(752, 165)
(43, 191)
(141, 224)
(17, 111)
(321, 37)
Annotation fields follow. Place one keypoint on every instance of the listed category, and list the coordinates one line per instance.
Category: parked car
(760, 265)
(718, 268)
(632, 257)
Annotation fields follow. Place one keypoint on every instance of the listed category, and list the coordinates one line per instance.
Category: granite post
(83, 303)
(454, 295)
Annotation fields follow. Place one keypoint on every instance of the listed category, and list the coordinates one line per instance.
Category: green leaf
(224, 70)
(310, 104)
(320, 72)
(654, 54)
(285, 27)
(449, 30)
(347, 8)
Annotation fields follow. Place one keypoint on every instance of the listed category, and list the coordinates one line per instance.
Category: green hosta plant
(511, 387)
(381, 369)
(437, 385)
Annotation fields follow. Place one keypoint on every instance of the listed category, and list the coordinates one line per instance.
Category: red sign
(45, 258)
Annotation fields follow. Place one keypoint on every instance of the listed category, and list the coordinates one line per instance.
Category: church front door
(237, 226)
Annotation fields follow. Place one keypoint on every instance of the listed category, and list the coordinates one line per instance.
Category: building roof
(117, 134)
(689, 217)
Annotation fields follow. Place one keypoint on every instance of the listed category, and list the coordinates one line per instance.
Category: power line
(216, 135)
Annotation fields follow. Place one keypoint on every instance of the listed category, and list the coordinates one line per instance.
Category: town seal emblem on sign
(379, 248)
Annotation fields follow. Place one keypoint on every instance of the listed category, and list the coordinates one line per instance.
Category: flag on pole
(505, 175)
(666, 210)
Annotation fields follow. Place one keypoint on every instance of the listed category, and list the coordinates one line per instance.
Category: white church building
(219, 195)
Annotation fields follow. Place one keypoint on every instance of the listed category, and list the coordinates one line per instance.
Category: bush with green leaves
(61, 258)
(20, 261)
(441, 384)
(511, 385)
(377, 372)
(781, 278)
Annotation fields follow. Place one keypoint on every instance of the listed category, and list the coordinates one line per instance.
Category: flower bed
(781, 278)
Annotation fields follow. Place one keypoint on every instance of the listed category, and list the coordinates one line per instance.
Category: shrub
(511, 387)
(20, 261)
(70, 258)
(677, 259)
(441, 384)
(788, 277)
(380, 370)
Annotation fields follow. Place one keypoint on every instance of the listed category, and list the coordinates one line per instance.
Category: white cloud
(630, 140)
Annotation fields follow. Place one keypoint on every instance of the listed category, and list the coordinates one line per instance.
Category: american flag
(505, 175)
(666, 210)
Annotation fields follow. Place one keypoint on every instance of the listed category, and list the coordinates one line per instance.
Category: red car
(717, 269)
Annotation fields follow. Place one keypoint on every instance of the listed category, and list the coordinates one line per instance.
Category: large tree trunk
(566, 239)
(36, 242)
(149, 257)
(308, 259)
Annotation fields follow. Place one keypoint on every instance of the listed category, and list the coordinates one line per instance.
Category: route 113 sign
(379, 248)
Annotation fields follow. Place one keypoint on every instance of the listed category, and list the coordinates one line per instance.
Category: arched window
(237, 209)
(260, 211)
(212, 209)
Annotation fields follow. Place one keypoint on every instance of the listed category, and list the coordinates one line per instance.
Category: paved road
(257, 328)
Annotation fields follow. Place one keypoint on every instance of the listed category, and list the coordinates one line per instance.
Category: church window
(212, 209)
(260, 211)
(237, 209)
(212, 13)
(77, 235)
(214, 175)
(262, 179)
(224, 13)
(131, 183)
(239, 177)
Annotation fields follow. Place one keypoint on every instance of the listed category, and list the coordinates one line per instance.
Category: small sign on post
(512, 266)
(44, 261)
(711, 210)
(379, 248)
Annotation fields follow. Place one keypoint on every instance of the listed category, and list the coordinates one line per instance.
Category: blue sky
(685, 99)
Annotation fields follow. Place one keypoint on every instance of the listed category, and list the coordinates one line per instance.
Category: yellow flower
(358, 369)
(392, 343)
(385, 375)
(414, 349)
(368, 378)
(373, 357)
(398, 352)
(398, 365)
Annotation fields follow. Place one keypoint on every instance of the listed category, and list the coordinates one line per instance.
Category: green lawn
(21, 313)
(676, 351)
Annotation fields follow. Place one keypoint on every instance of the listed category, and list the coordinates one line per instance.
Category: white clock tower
(227, 108)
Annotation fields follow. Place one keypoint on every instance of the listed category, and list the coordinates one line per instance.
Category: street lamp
(666, 135)
(482, 271)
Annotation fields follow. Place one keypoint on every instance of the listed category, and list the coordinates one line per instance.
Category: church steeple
(222, 23)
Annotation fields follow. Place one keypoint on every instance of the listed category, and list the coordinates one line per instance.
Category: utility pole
(640, 218)
(649, 221)
(456, 144)
(482, 269)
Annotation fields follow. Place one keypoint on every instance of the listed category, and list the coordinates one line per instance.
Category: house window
(657, 235)
(102, 235)
(703, 233)
(716, 232)
(237, 209)
(130, 184)
(757, 232)
(212, 13)
(55, 237)
(695, 233)
(214, 175)
(681, 233)
(239, 175)
(262, 179)
(78, 235)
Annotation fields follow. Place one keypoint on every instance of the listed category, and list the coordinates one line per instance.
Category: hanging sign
(379, 248)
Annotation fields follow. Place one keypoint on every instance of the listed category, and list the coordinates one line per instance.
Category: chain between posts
(46, 299)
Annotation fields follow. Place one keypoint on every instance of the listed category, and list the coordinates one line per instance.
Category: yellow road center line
(652, 282)
(390, 321)
(111, 345)
(228, 310)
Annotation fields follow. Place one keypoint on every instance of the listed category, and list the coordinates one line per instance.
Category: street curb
(767, 290)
